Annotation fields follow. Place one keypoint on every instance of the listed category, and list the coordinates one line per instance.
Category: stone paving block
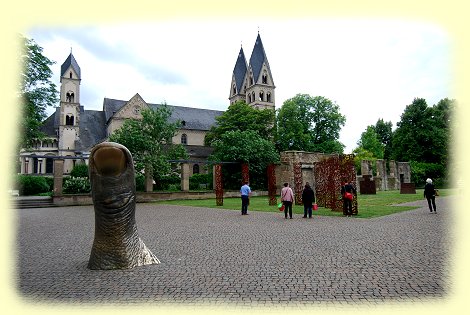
(216, 256)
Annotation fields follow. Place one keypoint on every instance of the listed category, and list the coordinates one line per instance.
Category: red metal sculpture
(330, 174)
(272, 184)
(245, 173)
(219, 190)
(298, 183)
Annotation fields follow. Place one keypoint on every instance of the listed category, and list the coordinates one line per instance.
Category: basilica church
(71, 131)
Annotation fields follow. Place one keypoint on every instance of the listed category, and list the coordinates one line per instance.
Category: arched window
(234, 90)
(69, 120)
(249, 98)
(253, 97)
(264, 78)
(251, 80)
(70, 74)
(69, 97)
(268, 97)
(261, 96)
(196, 169)
(184, 139)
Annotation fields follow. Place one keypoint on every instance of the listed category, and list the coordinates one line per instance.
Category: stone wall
(399, 172)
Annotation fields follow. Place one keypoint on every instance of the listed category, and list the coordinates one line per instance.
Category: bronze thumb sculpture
(116, 244)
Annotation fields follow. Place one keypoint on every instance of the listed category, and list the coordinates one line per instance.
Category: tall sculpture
(116, 244)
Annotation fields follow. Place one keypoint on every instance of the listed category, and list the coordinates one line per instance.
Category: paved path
(218, 257)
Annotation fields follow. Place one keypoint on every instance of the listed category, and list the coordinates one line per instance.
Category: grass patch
(370, 206)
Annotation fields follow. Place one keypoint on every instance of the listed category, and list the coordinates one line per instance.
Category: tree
(309, 124)
(244, 147)
(36, 91)
(423, 132)
(242, 117)
(423, 136)
(370, 142)
(150, 141)
(384, 134)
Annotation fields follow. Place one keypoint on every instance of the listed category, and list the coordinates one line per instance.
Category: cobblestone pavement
(219, 257)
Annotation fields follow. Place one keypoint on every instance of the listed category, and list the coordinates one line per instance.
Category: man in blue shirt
(245, 191)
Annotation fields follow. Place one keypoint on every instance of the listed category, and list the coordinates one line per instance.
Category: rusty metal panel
(219, 190)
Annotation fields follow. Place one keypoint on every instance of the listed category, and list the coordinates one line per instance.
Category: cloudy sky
(372, 68)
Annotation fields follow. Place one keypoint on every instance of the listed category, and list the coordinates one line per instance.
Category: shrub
(196, 180)
(164, 182)
(76, 185)
(80, 170)
(140, 182)
(32, 185)
(420, 171)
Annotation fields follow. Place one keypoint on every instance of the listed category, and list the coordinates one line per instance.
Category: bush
(420, 171)
(196, 180)
(164, 182)
(76, 185)
(80, 170)
(32, 185)
(139, 182)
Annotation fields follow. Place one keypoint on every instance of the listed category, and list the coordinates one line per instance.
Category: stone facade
(399, 172)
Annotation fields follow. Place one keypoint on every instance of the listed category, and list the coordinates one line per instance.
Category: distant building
(72, 130)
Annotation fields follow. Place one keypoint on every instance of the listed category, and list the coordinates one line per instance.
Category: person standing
(287, 198)
(245, 192)
(308, 196)
(347, 191)
(430, 194)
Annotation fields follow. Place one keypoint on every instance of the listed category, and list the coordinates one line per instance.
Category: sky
(371, 68)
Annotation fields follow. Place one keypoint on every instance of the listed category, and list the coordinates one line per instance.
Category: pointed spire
(258, 57)
(239, 71)
(70, 62)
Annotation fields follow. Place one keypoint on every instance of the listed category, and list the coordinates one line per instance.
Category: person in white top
(287, 198)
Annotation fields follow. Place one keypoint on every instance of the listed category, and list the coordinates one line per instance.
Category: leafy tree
(362, 154)
(150, 141)
(423, 132)
(242, 117)
(309, 124)
(244, 147)
(36, 91)
(370, 142)
(384, 134)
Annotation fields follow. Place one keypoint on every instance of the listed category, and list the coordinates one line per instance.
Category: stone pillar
(365, 168)
(393, 177)
(148, 179)
(185, 177)
(382, 174)
(58, 176)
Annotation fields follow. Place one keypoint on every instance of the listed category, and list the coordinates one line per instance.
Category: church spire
(70, 62)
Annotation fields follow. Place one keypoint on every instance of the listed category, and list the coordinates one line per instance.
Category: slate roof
(194, 118)
(258, 56)
(92, 129)
(70, 61)
(239, 70)
(51, 124)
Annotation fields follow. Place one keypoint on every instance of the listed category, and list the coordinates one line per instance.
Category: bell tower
(253, 82)
(69, 117)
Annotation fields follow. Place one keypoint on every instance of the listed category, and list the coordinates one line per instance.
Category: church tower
(258, 85)
(69, 117)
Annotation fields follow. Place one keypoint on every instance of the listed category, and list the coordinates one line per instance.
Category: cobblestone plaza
(219, 257)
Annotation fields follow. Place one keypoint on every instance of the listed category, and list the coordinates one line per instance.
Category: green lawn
(370, 206)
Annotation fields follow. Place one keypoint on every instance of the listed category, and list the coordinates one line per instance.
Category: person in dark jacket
(347, 203)
(308, 197)
(430, 195)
